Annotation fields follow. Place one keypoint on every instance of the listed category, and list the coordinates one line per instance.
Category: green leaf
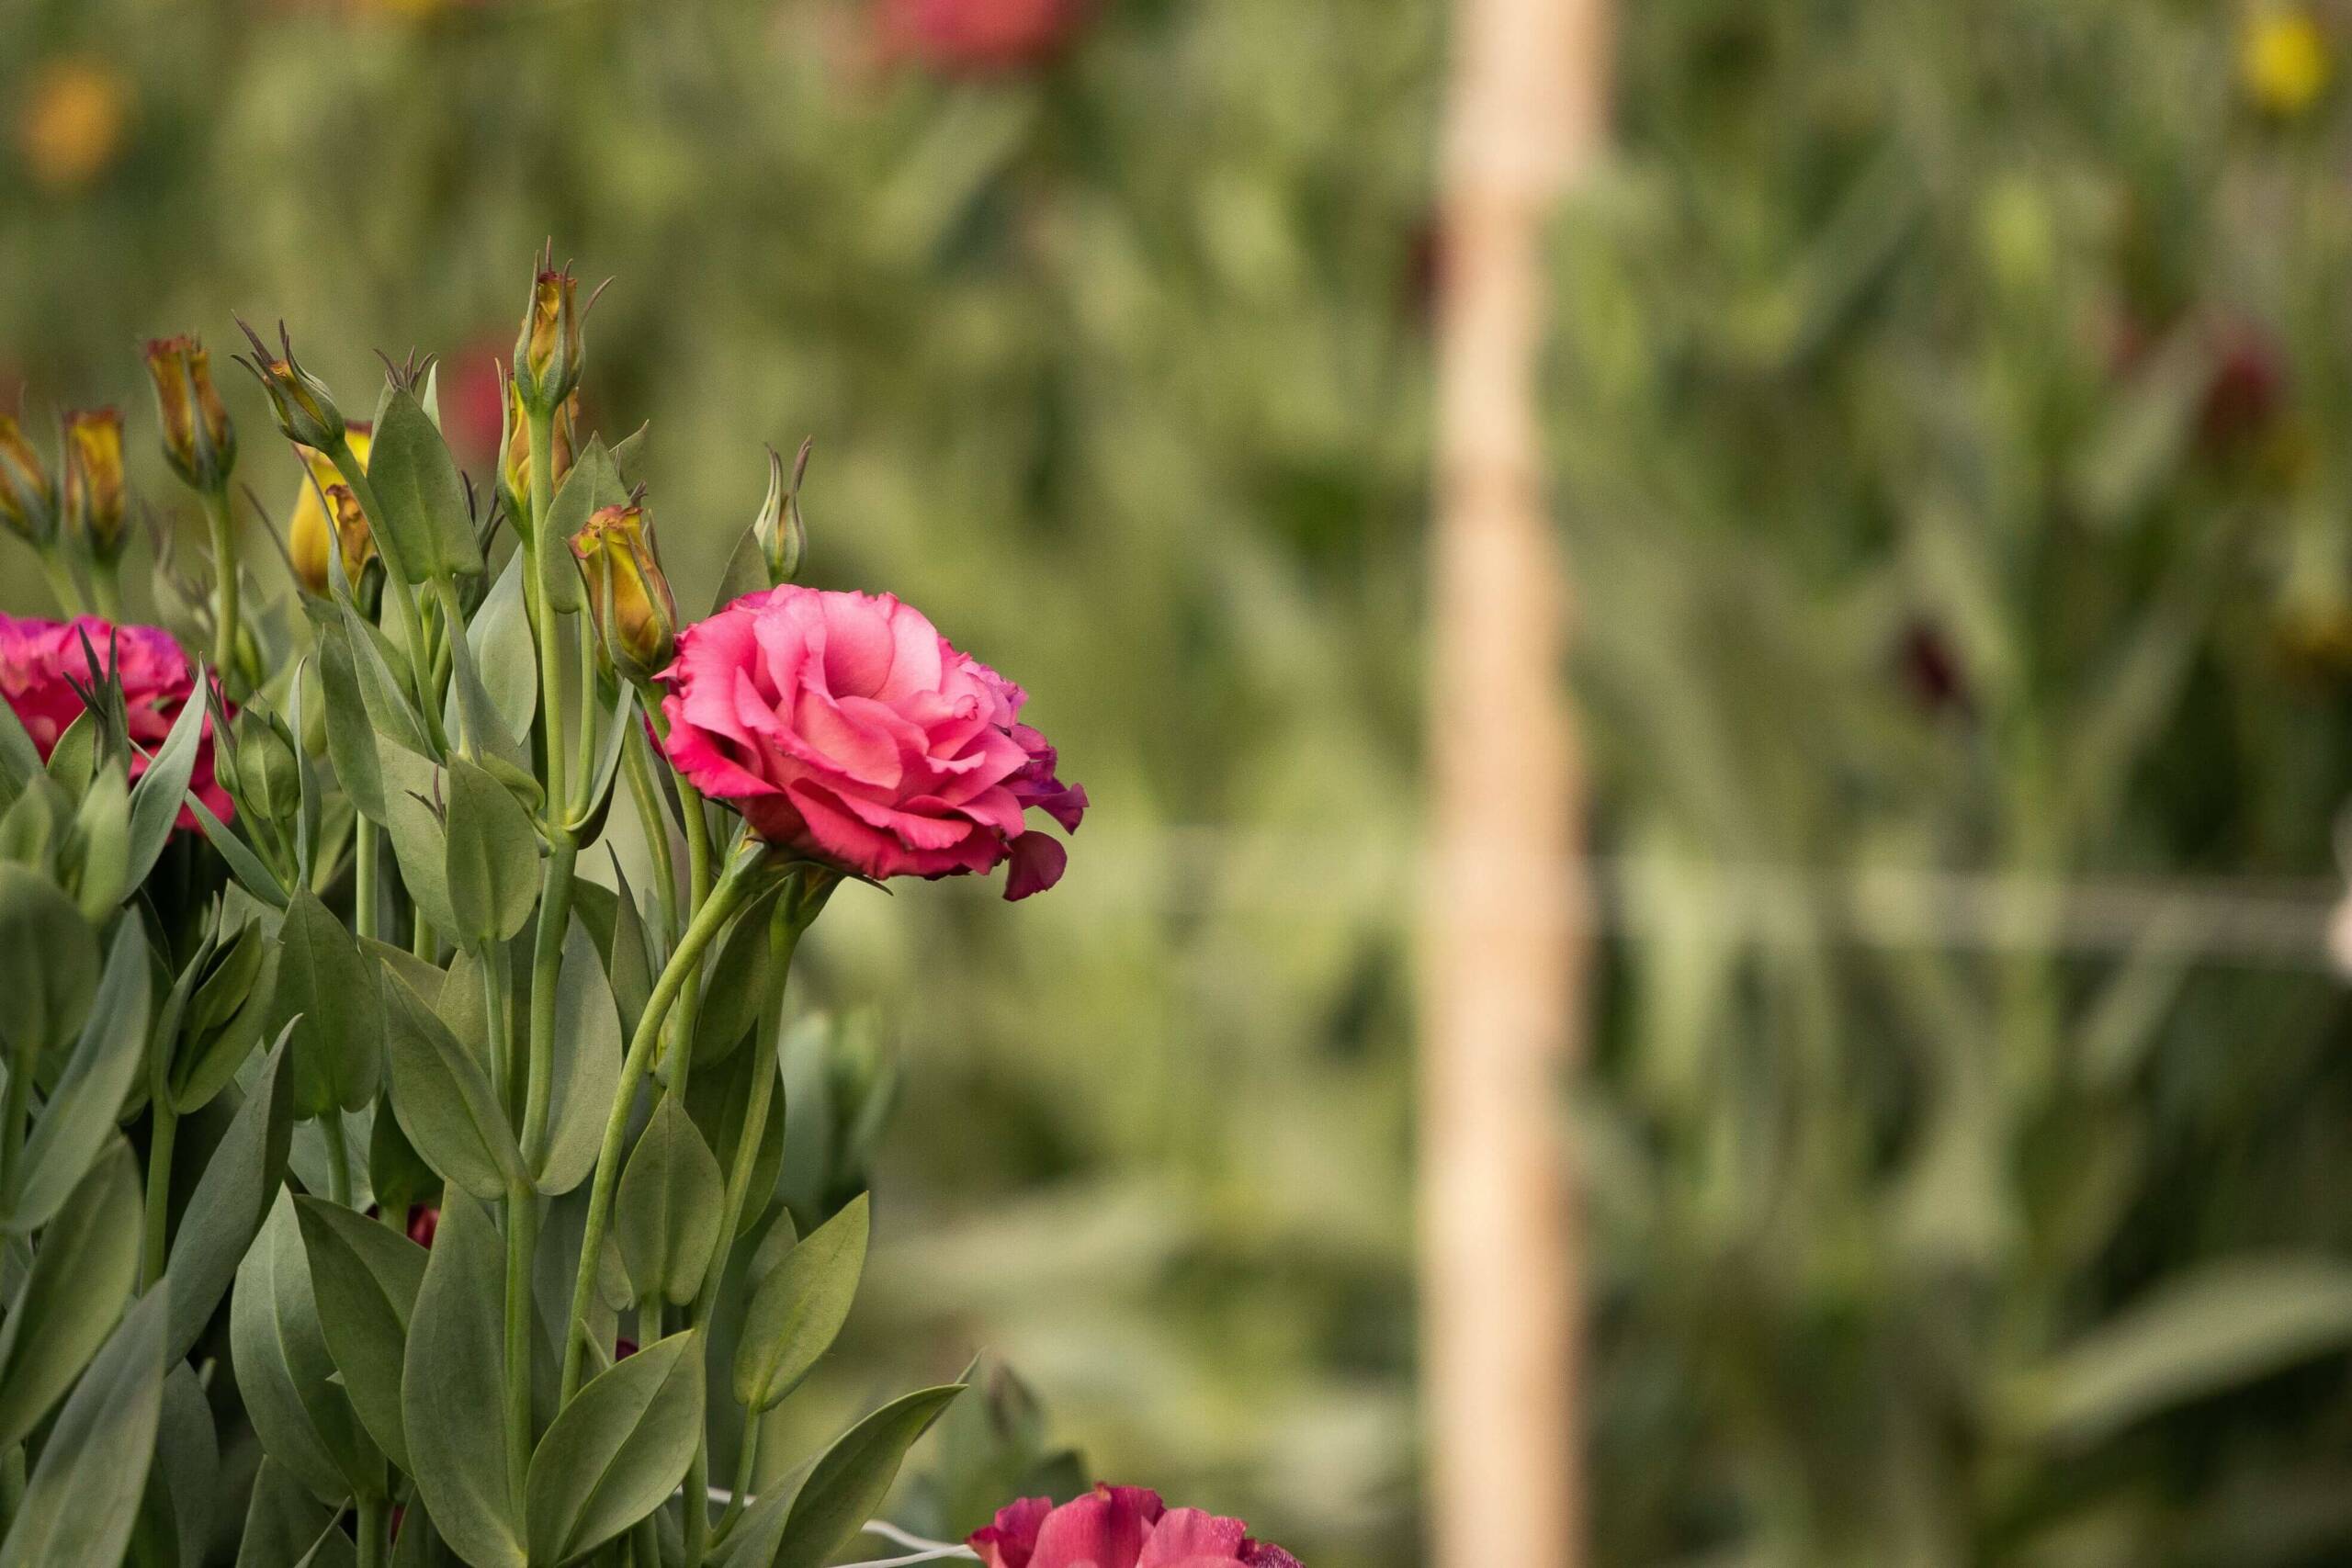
(444, 1101)
(225, 1020)
(493, 857)
(19, 758)
(286, 1526)
(618, 1450)
(2223, 1326)
(499, 638)
(228, 1204)
(667, 1213)
(423, 498)
(483, 728)
(351, 737)
(79, 1119)
(629, 962)
(49, 964)
(736, 983)
(366, 1278)
(327, 990)
(592, 484)
(386, 702)
(451, 1405)
(74, 1294)
(799, 1307)
(285, 1374)
(82, 1499)
(721, 1098)
(72, 760)
(103, 828)
(184, 1484)
(853, 1477)
(587, 1071)
(155, 802)
(251, 876)
(413, 796)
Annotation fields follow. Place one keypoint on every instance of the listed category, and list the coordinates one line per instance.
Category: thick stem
(534, 546)
(371, 1533)
(522, 1245)
(547, 969)
(656, 822)
(338, 1156)
(683, 967)
(224, 572)
(354, 474)
(106, 588)
(161, 1140)
(495, 1007)
(365, 862)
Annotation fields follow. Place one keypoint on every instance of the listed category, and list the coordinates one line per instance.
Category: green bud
(305, 409)
(269, 779)
(782, 534)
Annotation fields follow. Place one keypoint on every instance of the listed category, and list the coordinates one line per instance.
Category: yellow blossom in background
(2284, 63)
(309, 535)
(72, 120)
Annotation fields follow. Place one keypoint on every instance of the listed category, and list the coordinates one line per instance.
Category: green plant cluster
(227, 1104)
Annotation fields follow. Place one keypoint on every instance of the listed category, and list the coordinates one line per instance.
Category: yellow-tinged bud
(199, 441)
(514, 449)
(2284, 61)
(314, 531)
(550, 349)
(96, 509)
(28, 494)
(305, 409)
(630, 601)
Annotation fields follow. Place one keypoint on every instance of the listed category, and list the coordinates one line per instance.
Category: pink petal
(1038, 862)
(1105, 1528)
(1186, 1535)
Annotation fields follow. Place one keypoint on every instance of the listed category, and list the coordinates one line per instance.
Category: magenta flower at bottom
(1119, 1527)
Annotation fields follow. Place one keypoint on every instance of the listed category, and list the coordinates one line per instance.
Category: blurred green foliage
(1950, 404)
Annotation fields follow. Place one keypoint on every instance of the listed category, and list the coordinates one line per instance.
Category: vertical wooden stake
(1503, 938)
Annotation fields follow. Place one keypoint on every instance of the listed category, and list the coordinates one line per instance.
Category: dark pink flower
(845, 726)
(40, 660)
(978, 37)
(1119, 1527)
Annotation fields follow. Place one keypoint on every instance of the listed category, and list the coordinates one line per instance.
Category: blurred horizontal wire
(2262, 923)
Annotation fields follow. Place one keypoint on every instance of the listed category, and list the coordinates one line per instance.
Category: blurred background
(1948, 402)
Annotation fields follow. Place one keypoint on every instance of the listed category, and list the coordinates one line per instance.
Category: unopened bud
(199, 441)
(305, 409)
(515, 450)
(269, 780)
(629, 599)
(96, 512)
(314, 530)
(550, 349)
(782, 534)
(28, 494)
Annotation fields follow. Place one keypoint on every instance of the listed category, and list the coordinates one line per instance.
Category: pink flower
(978, 37)
(1119, 1527)
(39, 660)
(845, 726)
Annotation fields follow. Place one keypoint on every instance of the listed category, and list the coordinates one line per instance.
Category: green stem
(15, 1109)
(656, 822)
(106, 588)
(338, 1156)
(682, 965)
(354, 474)
(534, 544)
(161, 1139)
(365, 862)
(371, 1533)
(746, 1467)
(495, 1007)
(522, 1245)
(546, 970)
(224, 572)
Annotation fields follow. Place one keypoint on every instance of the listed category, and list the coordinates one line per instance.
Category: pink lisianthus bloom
(978, 37)
(1119, 1527)
(844, 726)
(40, 660)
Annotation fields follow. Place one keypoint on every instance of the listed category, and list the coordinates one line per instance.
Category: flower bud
(269, 780)
(96, 510)
(305, 409)
(549, 352)
(782, 534)
(27, 495)
(514, 449)
(631, 600)
(199, 441)
(313, 530)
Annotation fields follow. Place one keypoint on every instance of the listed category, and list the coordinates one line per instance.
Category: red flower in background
(975, 38)
(1119, 1527)
(40, 662)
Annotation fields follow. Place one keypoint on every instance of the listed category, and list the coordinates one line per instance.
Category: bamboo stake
(1503, 921)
